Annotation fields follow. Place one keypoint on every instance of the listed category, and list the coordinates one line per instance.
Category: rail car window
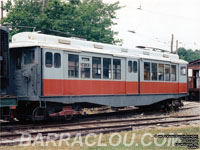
(48, 60)
(146, 71)
(29, 57)
(107, 68)
(173, 73)
(73, 65)
(167, 72)
(117, 69)
(154, 71)
(183, 71)
(161, 72)
(85, 67)
(96, 67)
(57, 60)
(130, 66)
(135, 66)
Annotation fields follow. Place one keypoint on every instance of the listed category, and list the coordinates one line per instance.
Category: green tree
(188, 55)
(90, 19)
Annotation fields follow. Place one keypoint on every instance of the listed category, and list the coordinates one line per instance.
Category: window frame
(147, 72)
(46, 65)
(161, 72)
(60, 60)
(135, 70)
(181, 68)
(173, 73)
(130, 66)
(115, 69)
(76, 66)
(32, 56)
(165, 77)
(109, 70)
(97, 68)
(152, 71)
(85, 60)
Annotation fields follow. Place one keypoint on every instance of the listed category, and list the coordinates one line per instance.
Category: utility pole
(1, 10)
(176, 46)
(172, 43)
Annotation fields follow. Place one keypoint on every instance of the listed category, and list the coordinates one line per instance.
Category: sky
(157, 21)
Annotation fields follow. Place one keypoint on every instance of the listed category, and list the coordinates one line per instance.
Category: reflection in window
(57, 60)
(107, 68)
(29, 57)
(73, 65)
(96, 67)
(135, 66)
(173, 74)
(146, 71)
(48, 59)
(85, 68)
(161, 72)
(167, 72)
(117, 69)
(130, 66)
(154, 71)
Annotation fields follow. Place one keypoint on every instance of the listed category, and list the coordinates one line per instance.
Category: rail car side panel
(54, 87)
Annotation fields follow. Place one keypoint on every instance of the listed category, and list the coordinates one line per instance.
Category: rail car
(8, 102)
(194, 80)
(57, 76)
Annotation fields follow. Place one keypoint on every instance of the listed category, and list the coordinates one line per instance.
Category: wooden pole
(172, 43)
(43, 5)
(176, 46)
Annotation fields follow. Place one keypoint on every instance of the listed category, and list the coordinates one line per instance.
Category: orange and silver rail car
(53, 74)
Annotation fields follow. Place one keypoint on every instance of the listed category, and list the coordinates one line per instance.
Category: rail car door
(183, 78)
(132, 84)
(53, 82)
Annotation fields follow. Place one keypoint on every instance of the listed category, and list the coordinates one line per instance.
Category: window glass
(167, 72)
(117, 69)
(96, 67)
(135, 66)
(183, 70)
(161, 72)
(48, 59)
(130, 66)
(173, 74)
(85, 67)
(154, 71)
(57, 60)
(146, 71)
(29, 57)
(73, 65)
(107, 68)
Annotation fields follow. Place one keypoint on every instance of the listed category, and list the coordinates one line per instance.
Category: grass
(137, 145)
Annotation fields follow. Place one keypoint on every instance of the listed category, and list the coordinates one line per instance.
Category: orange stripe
(54, 87)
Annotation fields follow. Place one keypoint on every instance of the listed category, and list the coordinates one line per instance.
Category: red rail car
(51, 73)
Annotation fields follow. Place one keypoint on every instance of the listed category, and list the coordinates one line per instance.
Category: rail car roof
(33, 39)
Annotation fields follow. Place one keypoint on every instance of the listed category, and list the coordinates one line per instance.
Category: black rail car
(8, 102)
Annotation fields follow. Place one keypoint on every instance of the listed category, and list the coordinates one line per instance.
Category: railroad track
(84, 128)
(123, 113)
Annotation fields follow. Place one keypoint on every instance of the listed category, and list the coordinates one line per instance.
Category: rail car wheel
(39, 114)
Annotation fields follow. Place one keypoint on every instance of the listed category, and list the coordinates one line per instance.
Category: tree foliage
(90, 19)
(188, 55)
